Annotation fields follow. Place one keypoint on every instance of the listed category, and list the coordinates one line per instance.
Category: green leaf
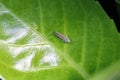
(29, 49)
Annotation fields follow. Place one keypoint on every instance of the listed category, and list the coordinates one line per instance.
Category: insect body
(63, 37)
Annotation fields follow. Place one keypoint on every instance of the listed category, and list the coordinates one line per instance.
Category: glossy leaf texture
(29, 49)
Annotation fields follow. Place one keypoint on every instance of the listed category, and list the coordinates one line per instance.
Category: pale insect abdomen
(62, 37)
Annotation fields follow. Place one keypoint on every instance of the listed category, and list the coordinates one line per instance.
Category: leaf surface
(30, 50)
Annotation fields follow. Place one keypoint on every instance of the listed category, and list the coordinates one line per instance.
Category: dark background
(110, 7)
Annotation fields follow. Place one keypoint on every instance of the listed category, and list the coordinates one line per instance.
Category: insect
(62, 37)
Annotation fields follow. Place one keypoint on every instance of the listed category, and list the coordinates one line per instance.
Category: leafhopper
(62, 37)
